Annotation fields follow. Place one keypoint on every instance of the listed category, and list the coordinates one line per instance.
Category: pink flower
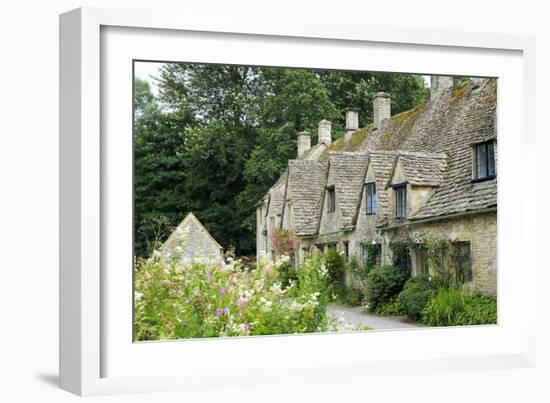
(209, 277)
(187, 300)
(179, 292)
(222, 290)
(226, 311)
(169, 323)
(219, 312)
(241, 302)
(246, 327)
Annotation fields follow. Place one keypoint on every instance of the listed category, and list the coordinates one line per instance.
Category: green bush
(382, 284)
(452, 307)
(206, 298)
(287, 274)
(335, 266)
(391, 308)
(417, 293)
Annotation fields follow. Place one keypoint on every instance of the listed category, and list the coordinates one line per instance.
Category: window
(422, 262)
(331, 199)
(463, 262)
(372, 255)
(370, 197)
(484, 158)
(346, 250)
(401, 201)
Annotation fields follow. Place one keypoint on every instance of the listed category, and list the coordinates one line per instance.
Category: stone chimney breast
(381, 104)
(324, 133)
(352, 122)
(438, 85)
(304, 143)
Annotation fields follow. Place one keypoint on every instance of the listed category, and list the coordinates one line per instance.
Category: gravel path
(358, 318)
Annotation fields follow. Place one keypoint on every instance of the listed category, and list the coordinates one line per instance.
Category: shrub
(452, 307)
(211, 299)
(417, 293)
(391, 308)
(382, 284)
(335, 265)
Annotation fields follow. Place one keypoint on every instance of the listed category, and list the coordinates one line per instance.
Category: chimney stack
(439, 84)
(324, 132)
(304, 143)
(381, 105)
(352, 122)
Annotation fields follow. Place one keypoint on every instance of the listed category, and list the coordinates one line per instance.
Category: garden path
(358, 317)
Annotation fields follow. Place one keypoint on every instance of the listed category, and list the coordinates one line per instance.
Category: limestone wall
(479, 229)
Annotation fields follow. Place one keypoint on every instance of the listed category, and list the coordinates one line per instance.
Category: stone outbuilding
(189, 241)
(428, 173)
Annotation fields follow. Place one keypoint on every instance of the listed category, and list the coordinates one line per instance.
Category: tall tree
(219, 136)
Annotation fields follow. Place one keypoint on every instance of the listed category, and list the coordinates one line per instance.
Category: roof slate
(434, 143)
(305, 187)
(347, 170)
(382, 166)
(422, 169)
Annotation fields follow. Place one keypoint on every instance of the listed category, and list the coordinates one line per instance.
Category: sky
(146, 70)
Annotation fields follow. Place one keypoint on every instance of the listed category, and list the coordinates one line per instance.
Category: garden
(208, 298)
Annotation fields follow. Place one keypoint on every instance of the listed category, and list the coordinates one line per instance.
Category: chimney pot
(352, 122)
(304, 143)
(324, 133)
(381, 104)
(438, 84)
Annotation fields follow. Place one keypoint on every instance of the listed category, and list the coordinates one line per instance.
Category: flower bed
(213, 299)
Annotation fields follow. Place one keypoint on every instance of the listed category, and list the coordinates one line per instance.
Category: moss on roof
(399, 128)
(357, 139)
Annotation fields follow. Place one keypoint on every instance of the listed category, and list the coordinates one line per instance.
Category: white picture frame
(93, 350)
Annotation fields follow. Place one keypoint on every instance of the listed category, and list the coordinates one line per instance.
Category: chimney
(304, 143)
(352, 122)
(381, 105)
(439, 84)
(324, 132)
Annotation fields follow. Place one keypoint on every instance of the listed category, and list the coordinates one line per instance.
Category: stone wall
(191, 242)
(478, 229)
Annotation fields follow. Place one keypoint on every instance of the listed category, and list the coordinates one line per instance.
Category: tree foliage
(218, 136)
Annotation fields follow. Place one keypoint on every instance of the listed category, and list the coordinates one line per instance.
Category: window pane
(481, 160)
(401, 202)
(491, 158)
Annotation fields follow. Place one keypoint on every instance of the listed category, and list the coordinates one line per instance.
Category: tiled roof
(277, 196)
(458, 119)
(434, 142)
(305, 187)
(382, 164)
(347, 170)
(423, 169)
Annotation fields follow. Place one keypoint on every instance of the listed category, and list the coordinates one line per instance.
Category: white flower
(138, 296)
(374, 242)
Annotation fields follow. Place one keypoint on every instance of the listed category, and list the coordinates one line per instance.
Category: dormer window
(370, 197)
(331, 199)
(484, 161)
(400, 201)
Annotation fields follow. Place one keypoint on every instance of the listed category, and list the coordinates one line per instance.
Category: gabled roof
(189, 220)
(277, 196)
(382, 163)
(305, 187)
(434, 143)
(421, 169)
(347, 170)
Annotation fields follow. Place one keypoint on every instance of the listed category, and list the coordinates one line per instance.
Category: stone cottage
(428, 173)
(190, 240)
